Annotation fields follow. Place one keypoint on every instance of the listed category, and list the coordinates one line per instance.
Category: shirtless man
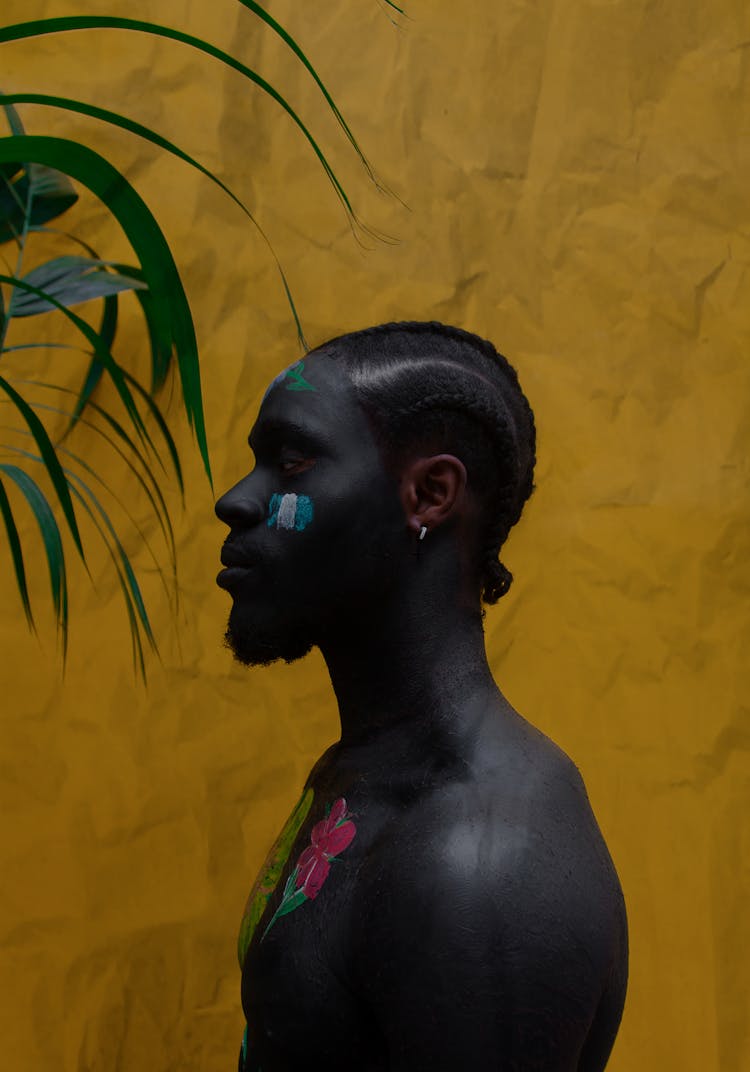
(441, 899)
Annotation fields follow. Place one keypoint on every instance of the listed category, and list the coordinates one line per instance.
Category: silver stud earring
(422, 532)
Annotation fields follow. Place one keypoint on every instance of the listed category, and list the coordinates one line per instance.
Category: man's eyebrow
(275, 427)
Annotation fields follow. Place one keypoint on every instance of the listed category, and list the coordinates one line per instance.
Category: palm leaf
(72, 280)
(137, 613)
(287, 38)
(163, 428)
(51, 460)
(10, 170)
(32, 198)
(51, 197)
(163, 143)
(170, 307)
(16, 126)
(101, 351)
(143, 537)
(107, 326)
(151, 486)
(160, 356)
(39, 27)
(149, 402)
(107, 331)
(135, 636)
(133, 588)
(14, 542)
(52, 540)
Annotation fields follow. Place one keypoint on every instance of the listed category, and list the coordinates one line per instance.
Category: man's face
(314, 526)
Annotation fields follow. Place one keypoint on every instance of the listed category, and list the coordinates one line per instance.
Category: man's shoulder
(502, 802)
(525, 850)
(484, 827)
(491, 910)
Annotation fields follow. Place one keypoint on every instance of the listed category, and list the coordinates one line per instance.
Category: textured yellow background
(577, 180)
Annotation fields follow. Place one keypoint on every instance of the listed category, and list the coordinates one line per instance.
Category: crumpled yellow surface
(577, 182)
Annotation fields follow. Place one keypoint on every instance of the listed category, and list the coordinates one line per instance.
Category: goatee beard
(251, 648)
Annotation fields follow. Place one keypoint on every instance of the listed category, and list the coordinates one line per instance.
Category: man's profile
(441, 898)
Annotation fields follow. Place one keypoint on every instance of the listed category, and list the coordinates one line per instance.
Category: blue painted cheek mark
(291, 512)
(304, 512)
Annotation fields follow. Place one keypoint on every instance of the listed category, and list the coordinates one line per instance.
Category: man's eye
(295, 463)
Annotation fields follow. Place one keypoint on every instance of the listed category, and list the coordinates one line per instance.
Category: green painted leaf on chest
(288, 905)
(270, 874)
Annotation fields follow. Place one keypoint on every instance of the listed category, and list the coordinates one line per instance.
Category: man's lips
(237, 566)
(233, 556)
(231, 576)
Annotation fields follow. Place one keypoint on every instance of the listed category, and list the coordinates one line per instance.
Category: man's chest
(293, 945)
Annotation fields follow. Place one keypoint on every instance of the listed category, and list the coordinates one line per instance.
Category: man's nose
(240, 506)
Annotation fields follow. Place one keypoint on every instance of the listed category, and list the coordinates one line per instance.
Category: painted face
(314, 526)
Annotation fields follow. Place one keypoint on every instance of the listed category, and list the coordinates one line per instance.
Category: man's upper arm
(467, 955)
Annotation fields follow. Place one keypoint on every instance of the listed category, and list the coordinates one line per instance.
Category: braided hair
(429, 386)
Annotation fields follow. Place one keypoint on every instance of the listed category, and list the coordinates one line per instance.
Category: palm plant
(36, 189)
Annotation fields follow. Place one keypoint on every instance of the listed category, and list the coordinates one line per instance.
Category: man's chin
(253, 648)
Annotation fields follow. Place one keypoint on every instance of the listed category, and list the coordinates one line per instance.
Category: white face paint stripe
(287, 515)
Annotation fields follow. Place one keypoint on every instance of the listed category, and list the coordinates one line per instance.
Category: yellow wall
(577, 181)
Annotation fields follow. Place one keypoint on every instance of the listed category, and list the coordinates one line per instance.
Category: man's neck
(413, 669)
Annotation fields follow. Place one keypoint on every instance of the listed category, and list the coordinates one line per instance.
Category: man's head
(373, 436)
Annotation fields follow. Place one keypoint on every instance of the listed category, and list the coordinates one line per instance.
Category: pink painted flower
(327, 839)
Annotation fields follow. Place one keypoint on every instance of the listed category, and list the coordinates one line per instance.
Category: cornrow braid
(431, 385)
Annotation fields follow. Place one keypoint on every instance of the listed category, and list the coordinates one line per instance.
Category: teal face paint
(296, 381)
(291, 512)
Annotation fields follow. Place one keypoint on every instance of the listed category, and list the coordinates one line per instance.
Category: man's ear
(432, 490)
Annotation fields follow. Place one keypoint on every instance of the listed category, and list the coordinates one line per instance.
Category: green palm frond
(133, 591)
(49, 455)
(135, 634)
(37, 175)
(103, 354)
(39, 27)
(16, 551)
(31, 196)
(125, 447)
(95, 371)
(53, 545)
(70, 280)
(82, 493)
(36, 192)
(8, 100)
(169, 314)
(126, 577)
(170, 590)
(102, 522)
(287, 38)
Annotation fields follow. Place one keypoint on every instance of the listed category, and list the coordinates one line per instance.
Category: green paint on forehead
(292, 378)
